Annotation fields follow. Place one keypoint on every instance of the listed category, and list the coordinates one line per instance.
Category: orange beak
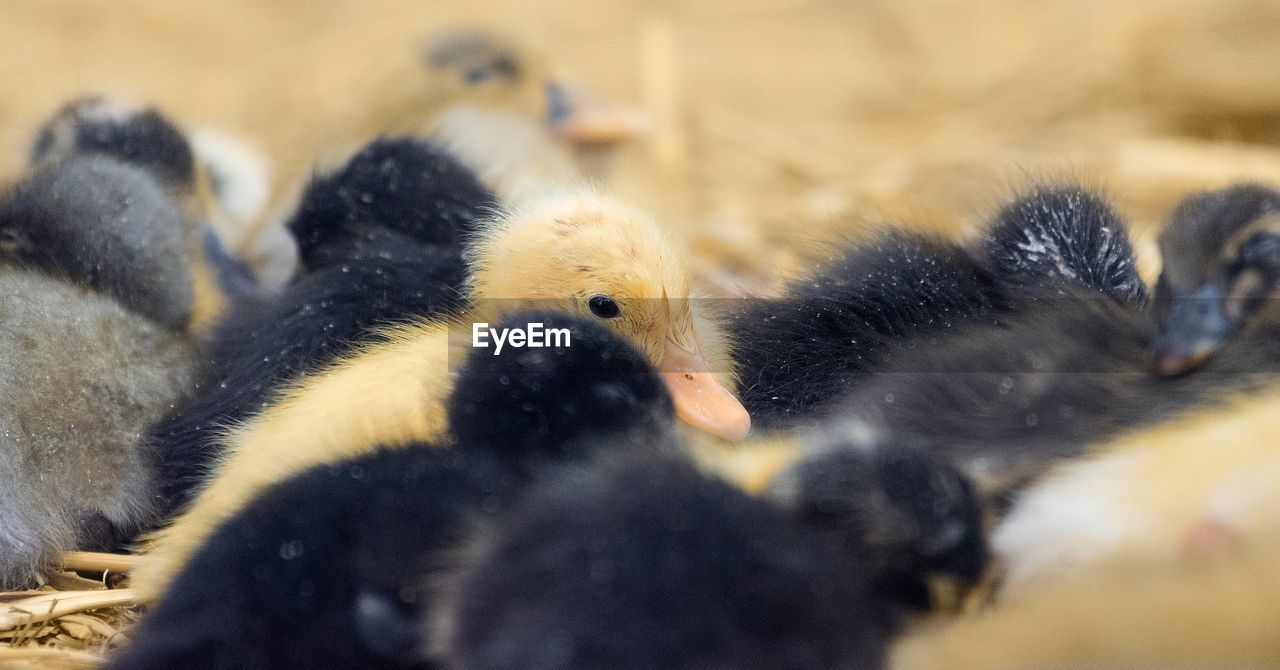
(585, 121)
(700, 399)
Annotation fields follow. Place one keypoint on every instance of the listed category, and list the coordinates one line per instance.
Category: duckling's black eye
(603, 306)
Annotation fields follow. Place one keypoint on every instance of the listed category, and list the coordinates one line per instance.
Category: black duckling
(914, 519)
(144, 138)
(798, 354)
(381, 242)
(94, 288)
(390, 199)
(1065, 367)
(327, 568)
(645, 561)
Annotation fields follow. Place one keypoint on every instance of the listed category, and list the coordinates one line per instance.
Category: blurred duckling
(509, 152)
(1222, 251)
(105, 226)
(1203, 479)
(148, 140)
(644, 560)
(82, 379)
(381, 241)
(334, 567)
(1217, 614)
(393, 197)
(577, 251)
(488, 70)
(95, 294)
(798, 353)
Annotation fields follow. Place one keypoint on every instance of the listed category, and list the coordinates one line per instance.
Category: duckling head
(587, 253)
(562, 403)
(1221, 263)
(491, 70)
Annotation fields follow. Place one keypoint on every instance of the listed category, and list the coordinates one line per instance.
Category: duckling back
(103, 225)
(799, 353)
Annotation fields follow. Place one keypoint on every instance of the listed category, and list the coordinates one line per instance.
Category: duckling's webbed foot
(1059, 235)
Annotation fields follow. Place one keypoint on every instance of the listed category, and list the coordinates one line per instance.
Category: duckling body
(390, 392)
(366, 536)
(1060, 358)
(82, 379)
(381, 242)
(901, 291)
(1146, 496)
(648, 562)
(797, 354)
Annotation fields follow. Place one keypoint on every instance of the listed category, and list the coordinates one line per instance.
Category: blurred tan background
(776, 122)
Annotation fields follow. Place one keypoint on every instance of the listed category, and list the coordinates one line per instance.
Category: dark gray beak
(1193, 327)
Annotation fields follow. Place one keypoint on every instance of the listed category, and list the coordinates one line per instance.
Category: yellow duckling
(577, 250)
(1215, 614)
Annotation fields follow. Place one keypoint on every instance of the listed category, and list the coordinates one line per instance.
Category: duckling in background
(902, 291)
(1204, 479)
(1225, 247)
(140, 137)
(333, 567)
(381, 242)
(94, 288)
(491, 71)
(107, 227)
(645, 561)
(146, 139)
(577, 251)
